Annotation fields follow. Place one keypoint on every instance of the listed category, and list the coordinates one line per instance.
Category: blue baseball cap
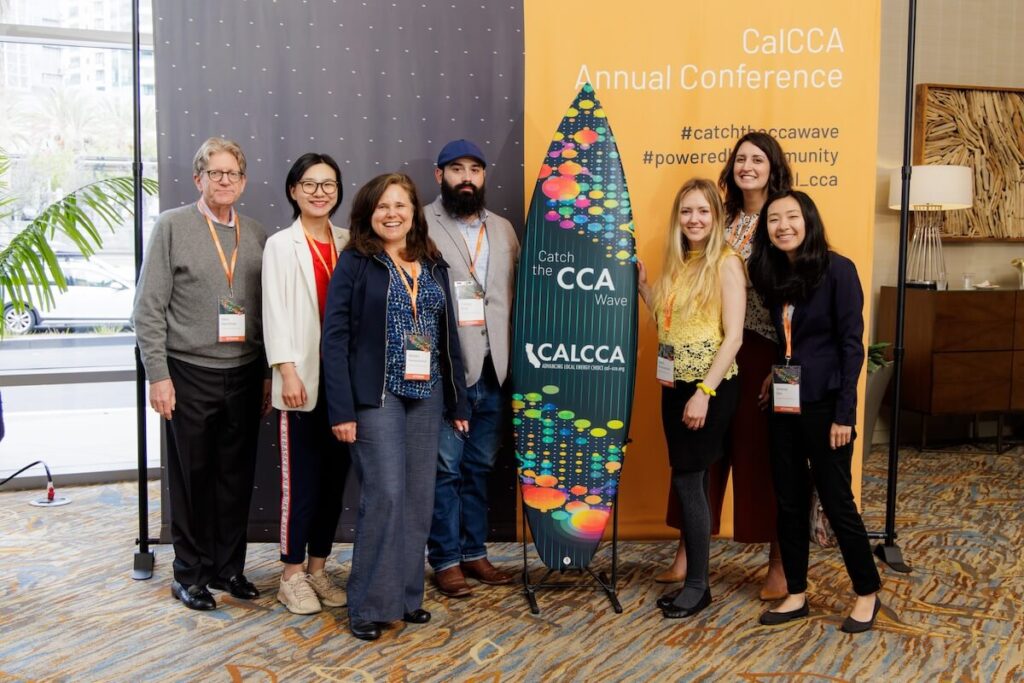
(457, 149)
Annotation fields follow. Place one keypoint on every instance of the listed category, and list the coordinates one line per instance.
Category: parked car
(98, 295)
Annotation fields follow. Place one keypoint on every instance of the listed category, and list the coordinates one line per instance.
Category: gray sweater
(182, 280)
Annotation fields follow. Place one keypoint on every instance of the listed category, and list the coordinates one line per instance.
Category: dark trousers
(314, 466)
(211, 462)
(797, 440)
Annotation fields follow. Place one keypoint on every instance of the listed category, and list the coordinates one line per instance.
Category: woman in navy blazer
(816, 302)
(392, 365)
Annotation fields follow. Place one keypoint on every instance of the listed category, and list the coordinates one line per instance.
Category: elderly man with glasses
(198, 326)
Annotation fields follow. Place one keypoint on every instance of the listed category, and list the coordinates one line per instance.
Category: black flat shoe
(776, 618)
(673, 612)
(851, 625)
(193, 597)
(238, 586)
(665, 601)
(364, 630)
(417, 616)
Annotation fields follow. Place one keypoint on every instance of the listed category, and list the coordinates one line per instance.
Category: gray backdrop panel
(380, 86)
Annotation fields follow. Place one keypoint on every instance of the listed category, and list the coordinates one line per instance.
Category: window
(65, 107)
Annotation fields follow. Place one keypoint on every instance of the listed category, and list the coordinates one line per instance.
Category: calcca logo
(573, 353)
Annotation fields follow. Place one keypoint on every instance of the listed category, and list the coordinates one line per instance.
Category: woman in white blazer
(297, 266)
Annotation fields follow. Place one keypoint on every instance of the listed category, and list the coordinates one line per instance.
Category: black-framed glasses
(217, 176)
(311, 186)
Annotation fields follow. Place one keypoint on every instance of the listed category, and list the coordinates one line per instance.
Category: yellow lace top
(695, 340)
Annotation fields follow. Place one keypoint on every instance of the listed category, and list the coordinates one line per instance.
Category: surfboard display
(574, 338)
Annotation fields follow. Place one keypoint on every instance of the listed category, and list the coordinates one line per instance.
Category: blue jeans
(459, 528)
(395, 456)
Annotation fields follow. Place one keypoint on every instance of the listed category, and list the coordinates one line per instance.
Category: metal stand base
(892, 556)
(47, 503)
(143, 566)
(600, 580)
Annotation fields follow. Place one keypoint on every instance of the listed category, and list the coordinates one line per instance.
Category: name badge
(417, 357)
(471, 303)
(786, 389)
(666, 372)
(230, 321)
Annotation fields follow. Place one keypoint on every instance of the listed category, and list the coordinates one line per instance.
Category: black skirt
(693, 450)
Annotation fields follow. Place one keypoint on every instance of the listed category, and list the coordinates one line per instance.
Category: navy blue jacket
(353, 340)
(828, 339)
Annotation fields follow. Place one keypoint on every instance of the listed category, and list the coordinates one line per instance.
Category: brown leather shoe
(452, 583)
(483, 571)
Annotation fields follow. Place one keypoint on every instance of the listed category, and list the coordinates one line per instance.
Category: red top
(320, 272)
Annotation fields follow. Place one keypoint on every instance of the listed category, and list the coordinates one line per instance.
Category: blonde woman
(698, 303)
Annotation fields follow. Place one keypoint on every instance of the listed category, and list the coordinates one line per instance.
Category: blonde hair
(704, 265)
(213, 146)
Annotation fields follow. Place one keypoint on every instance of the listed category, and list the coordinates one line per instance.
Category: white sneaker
(330, 593)
(297, 595)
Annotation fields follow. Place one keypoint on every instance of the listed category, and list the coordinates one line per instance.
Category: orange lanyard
(737, 242)
(479, 244)
(414, 290)
(228, 270)
(787, 328)
(667, 317)
(316, 250)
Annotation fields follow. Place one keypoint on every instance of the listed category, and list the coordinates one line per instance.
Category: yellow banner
(680, 82)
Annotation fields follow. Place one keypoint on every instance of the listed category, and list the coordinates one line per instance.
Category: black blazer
(353, 340)
(828, 339)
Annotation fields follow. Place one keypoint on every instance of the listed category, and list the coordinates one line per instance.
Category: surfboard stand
(599, 581)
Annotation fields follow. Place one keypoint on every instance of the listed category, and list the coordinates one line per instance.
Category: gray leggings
(691, 489)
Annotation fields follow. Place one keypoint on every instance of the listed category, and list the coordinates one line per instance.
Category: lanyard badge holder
(666, 369)
(468, 293)
(786, 378)
(417, 346)
(230, 313)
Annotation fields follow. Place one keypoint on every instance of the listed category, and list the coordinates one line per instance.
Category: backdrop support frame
(887, 550)
(142, 565)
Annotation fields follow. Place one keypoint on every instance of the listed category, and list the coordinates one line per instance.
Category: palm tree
(29, 269)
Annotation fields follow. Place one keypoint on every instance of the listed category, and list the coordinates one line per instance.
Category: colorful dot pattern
(568, 466)
(577, 180)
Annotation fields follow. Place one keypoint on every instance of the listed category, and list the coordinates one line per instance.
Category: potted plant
(879, 374)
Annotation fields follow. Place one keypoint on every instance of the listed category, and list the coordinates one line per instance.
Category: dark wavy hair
(299, 168)
(780, 177)
(364, 240)
(776, 279)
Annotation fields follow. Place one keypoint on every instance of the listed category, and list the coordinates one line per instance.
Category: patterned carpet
(70, 612)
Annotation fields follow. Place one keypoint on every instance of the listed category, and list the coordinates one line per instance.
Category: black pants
(211, 462)
(314, 466)
(797, 440)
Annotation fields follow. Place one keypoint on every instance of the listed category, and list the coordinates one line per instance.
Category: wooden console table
(963, 352)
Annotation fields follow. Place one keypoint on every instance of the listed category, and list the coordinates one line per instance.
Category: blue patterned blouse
(430, 305)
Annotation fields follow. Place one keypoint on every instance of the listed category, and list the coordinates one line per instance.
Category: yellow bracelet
(706, 389)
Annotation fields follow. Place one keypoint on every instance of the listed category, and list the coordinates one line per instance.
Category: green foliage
(29, 269)
(877, 357)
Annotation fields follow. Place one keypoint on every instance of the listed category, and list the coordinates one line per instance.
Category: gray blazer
(501, 266)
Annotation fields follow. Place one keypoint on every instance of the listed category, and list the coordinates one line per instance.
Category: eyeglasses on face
(233, 176)
(311, 186)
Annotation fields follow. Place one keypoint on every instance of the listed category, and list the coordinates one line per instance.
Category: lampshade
(944, 187)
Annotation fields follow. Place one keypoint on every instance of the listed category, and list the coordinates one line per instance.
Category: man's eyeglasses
(217, 176)
(311, 186)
